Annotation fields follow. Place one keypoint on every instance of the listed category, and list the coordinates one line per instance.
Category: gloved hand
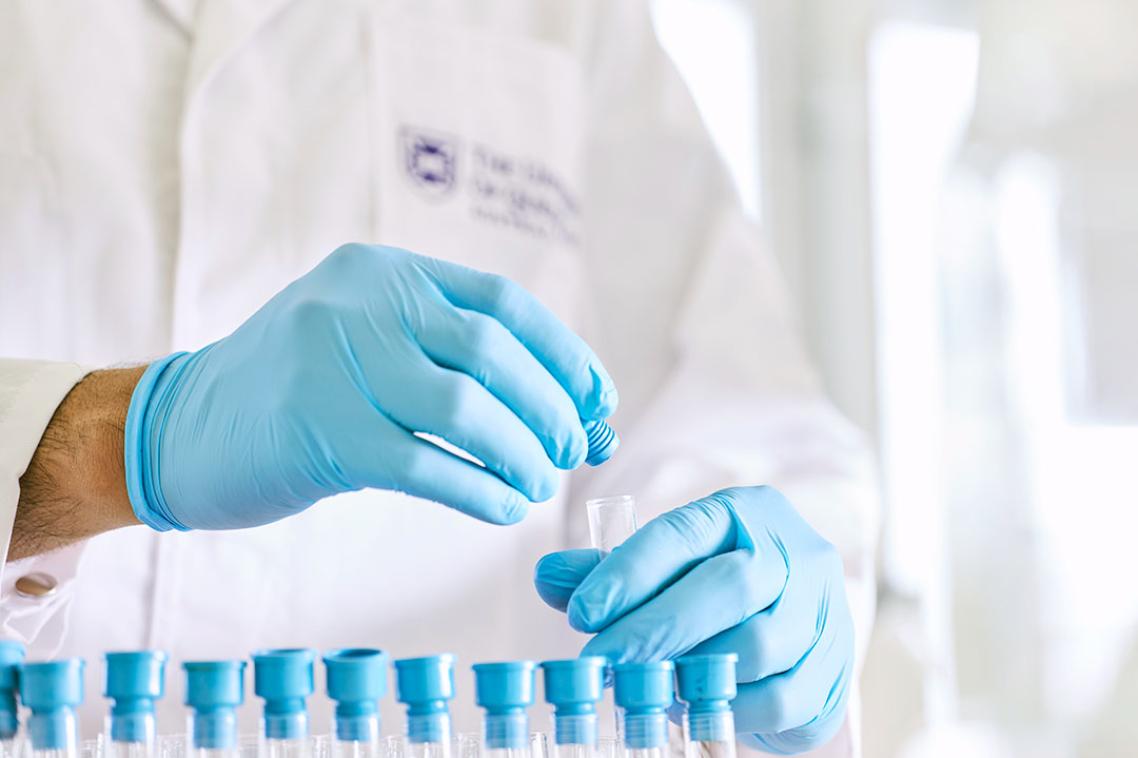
(738, 571)
(322, 389)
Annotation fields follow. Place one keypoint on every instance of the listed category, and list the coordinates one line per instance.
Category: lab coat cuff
(32, 591)
(30, 392)
(35, 595)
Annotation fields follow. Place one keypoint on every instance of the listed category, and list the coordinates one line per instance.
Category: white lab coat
(165, 167)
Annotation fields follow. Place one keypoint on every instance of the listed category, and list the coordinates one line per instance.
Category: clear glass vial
(612, 520)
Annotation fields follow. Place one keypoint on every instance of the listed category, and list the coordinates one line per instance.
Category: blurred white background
(952, 191)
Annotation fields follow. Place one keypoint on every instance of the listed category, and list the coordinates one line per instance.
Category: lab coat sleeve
(728, 397)
(30, 391)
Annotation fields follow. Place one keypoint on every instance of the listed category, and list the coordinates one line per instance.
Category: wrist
(74, 486)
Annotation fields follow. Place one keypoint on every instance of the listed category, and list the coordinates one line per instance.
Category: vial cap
(644, 686)
(136, 674)
(603, 442)
(356, 674)
(505, 685)
(52, 684)
(703, 678)
(422, 680)
(214, 684)
(12, 655)
(574, 681)
(284, 674)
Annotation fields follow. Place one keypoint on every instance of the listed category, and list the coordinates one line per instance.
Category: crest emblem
(429, 160)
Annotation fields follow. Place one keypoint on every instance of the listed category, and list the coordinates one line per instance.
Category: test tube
(505, 690)
(52, 690)
(284, 678)
(612, 520)
(643, 693)
(134, 681)
(214, 690)
(707, 684)
(573, 687)
(357, 680)
(11, 658)
(425, 685)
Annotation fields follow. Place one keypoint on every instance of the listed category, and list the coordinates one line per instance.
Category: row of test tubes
(644, 693)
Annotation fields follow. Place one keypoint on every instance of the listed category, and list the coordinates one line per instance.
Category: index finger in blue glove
(666, 549)
(564, 354)
(557, 575)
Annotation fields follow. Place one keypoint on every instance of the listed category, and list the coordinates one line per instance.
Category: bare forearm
(74, 486)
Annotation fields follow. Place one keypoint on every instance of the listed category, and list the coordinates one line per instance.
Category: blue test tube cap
(707, 681)
(421, 681)
(48, 685)
(356, 675)
(134, 681)
(644, 687)
(52, 689)
(574, 685)
(603, 442)
(214, 689)
(425, 685)
(211, 685)
(284, 677)
(505, 690)
(12, 654)
(504, 687)
(356, 680)
(136, 675)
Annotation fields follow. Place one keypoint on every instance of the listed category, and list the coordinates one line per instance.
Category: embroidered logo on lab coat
(430, 160)
(500, 188)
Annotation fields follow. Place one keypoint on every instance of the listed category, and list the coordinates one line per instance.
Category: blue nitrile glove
(320, 392)
(738, 571)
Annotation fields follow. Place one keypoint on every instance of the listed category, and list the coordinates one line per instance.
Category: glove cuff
(142, 440)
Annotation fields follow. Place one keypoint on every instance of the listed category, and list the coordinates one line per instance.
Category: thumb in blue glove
(739, 571)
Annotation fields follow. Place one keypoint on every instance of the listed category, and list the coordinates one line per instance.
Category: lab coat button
(36, 585)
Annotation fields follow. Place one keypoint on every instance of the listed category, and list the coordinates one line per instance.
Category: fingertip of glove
(548, 580)
(512, 511)
(581, 616)
(573, 453)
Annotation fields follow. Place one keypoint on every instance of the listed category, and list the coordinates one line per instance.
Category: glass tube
(359, 738)
(609, 747)
(612, 520)
(213, 734)
(645, 734)
(468, 745)
(428, 734)
(131, 735)
(575, 735)
(709, 734)
(505, 735)
(395, 746)
(275, 743)
(54, 733)
(539, 745)
(293, 747)
(9, 725)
